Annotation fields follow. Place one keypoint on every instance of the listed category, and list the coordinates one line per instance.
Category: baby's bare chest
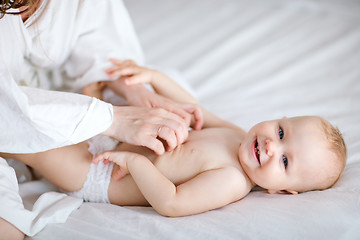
(203, 151)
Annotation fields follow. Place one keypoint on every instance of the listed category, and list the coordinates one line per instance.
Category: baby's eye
(281, 133)
(285, 161)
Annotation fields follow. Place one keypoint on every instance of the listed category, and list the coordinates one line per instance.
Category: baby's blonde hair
(337, 145)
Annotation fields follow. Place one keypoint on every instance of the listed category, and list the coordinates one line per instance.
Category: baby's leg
(66, 167)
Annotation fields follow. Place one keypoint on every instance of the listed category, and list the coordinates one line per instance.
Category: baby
(216, 165)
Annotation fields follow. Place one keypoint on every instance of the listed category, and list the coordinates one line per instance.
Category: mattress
(249, 61)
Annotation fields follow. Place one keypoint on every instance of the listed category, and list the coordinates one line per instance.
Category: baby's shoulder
(235, 171)
(236, 178)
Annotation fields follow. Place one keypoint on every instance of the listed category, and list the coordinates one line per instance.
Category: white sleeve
(34, 120)
(103, 30)
(51, 207)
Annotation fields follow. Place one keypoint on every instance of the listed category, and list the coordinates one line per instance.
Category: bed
(247, 61)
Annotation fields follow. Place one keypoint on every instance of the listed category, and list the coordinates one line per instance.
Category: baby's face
(286, 154)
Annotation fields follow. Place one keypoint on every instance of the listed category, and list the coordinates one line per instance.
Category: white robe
(63, 45)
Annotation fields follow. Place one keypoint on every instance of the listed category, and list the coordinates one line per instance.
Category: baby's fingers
(116, 61)
(116, 157)
(195, 110)
(101, 157)
(123, 71)
(199, 119)
(120, 174)
(120, 65)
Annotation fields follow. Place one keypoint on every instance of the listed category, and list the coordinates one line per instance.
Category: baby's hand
(130, 72)
(119, 158)
(94, 89)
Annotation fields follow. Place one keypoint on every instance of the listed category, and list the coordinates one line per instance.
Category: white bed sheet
(250, 61)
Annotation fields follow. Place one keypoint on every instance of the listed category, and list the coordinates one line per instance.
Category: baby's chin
(242, 156)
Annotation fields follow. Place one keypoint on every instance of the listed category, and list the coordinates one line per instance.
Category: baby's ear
(282, 192)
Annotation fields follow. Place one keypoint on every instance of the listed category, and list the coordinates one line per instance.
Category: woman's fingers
(139, 126)
(154, 144)
(167, 134)
(174, 108)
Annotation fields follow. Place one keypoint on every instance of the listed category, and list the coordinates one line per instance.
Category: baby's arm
(134, 74)
(207, 191)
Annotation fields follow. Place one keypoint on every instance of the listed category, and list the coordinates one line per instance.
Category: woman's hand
(143, 97)
(147, 126)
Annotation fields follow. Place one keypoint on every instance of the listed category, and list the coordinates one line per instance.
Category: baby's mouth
(257, 151)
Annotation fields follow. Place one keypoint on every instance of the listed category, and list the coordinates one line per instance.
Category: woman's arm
(9, 231)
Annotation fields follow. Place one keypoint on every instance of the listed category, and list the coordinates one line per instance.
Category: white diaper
(95, 188)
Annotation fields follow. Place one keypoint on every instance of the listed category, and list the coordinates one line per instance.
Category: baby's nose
(269, 147)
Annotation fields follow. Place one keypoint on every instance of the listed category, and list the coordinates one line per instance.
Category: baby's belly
(179, 165)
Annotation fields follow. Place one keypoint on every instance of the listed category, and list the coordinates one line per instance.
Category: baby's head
(293, 154)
